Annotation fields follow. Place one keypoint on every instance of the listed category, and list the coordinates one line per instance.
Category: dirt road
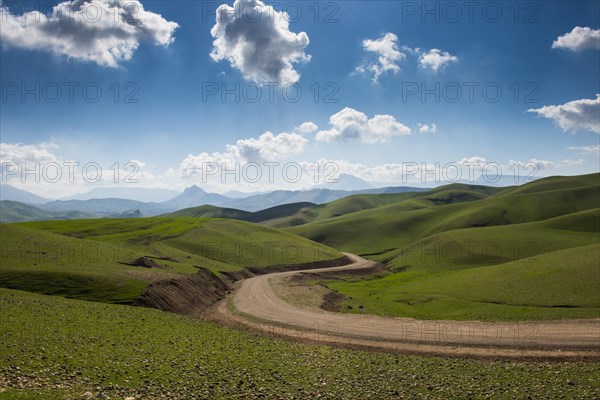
(255, 304)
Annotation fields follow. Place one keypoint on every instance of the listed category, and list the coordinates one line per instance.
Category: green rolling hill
(553, 285)
(389, 227)
(517, 253)
(208, 211)
(100, 259)
(458, 234)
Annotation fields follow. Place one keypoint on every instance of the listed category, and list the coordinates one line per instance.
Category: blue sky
(174, 117)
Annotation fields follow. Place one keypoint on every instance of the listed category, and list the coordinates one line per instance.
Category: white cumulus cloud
(388, 56)
(267, 147)
(15, 158)
(574, 116)
(350, 124)
(578, 39)
(19, 153)
(105, 32)
(307, 127)
(427, 128)
(436, 59)
(257, 41)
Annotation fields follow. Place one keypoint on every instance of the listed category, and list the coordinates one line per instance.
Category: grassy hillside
(465, 248)
(389, 227)
(527, 252)
(88, 259)
(49, 263)
(409, 200)
(217, 244)
(420, 236)
(208, 211)
(14, 211)
(54, 348)
(558, 284)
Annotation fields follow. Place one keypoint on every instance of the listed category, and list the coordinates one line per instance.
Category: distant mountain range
(138, 202)
(194, 196)
(14, 211)
(8, 192)
(126, 193)
(104, 207)
(191, 197)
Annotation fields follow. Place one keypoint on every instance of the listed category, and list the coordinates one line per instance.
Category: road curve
(255, 304)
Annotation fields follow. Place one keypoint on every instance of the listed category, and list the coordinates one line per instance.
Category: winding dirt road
(255, 304)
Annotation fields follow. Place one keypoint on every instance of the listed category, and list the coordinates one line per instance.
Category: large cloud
(307, 127)
(102, 31)
(575, 115)
(257, 41)
(388, 56)
(578, 39)
(38, 169)
(436, 59)
(267, 147)
(27, 153)
(350, 124)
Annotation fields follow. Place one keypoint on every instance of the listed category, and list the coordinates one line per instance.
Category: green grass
(49, 263)
(121, 230)
(443, 245)
(465, 248)
(554, 285)
(242, 244)
(54, 348)
(86, 259)
(217, 244)
(389, 227)
(57, 348)
(208, 211)
(407, 201)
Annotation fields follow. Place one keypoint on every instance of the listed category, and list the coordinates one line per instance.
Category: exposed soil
(145, 262)
(250, 272)
(188, 295)
(371, 269)
(255, 305)
(332, 301)
(192, 294)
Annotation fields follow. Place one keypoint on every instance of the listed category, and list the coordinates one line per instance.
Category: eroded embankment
(192, 294)
(185, 295)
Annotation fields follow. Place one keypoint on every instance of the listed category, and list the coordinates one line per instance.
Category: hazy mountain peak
(194, 189)
(8, 192)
